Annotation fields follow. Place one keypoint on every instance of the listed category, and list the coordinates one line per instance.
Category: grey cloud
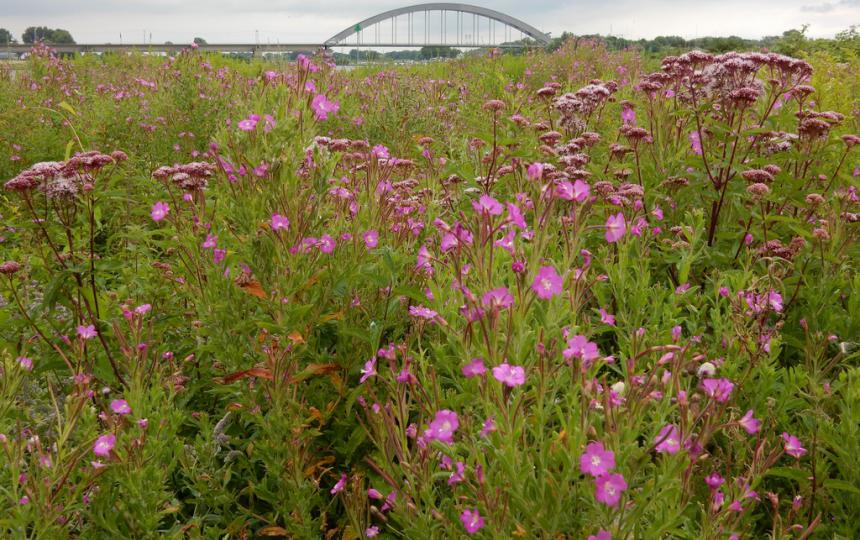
(827, 7)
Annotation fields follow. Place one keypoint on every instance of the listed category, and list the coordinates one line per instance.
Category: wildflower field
(568, 295)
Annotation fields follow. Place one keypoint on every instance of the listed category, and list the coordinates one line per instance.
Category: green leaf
(71, 110)
(841, 485)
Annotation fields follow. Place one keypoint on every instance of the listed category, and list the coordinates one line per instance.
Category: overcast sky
(292, 21)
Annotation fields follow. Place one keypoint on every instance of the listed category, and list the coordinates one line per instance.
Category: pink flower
(248, 124)
(668, 441)
(475, 368)
(472, 520)
(458, 475)
(369, 370)
(695, 142)
(581, 191)
(793, 446)
(371, 239)
(579, 347)
(601, 535)
(422, 312)
(443, 426)
(380, 152)
(322, 107)
(596, 460)
(564, 190)
(608, 489)
(499, 298)
(280, 222)
(422, 261)
(338, 487)
(488, 427)
(489, 205)
(714, 480)
(327, 244)
(774, 300)
(218, 255)
(159, 211)
(25, 362)
(371, 532)
(210, 242)
(749, 423)
(509, 375)
(547, 283)
(628, 115)
(87, 332)
(606, 317)
(535, 171)
(515, 215)
(104, 445)
(120, 406)
(719, 389)
(615, 227)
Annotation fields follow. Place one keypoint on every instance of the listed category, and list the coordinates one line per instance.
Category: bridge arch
(492, 14)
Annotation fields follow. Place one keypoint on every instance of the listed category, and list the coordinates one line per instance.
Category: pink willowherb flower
(159, 211)
(422, 312)
(280, 222)
(472, 520)
(579, 347)
(488, 427)
(606, 317)
(628, 115)
(515, 215)
(608, 488)
(327, 244)
(104, 445)
(695, 142)
(322, 107)
(499, 298)
(423, 261)
(248, 124)
(475, 368)
(87, 332)
(749, 423)
(535, 171)
(719, 389)
(714, 480)
(668, 440)
(596, 460)
(443, 426)
(488, 204)
(509, 375)
(25, 362)
(369, 370)
(615, 227)
(371, 532)
(120, 406)
(793, 446)
(601, 535)
(339, 485)
(547, 283)
(371, 239)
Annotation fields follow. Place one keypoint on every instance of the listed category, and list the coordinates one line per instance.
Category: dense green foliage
(564, 294)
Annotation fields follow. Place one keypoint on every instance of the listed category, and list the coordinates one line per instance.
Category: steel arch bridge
(481, 31)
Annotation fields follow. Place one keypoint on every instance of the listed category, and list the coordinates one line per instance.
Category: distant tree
(62, 36)
(439, 52)
(199, 41)
(792, 41)
(43, 33)
(6, 37)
